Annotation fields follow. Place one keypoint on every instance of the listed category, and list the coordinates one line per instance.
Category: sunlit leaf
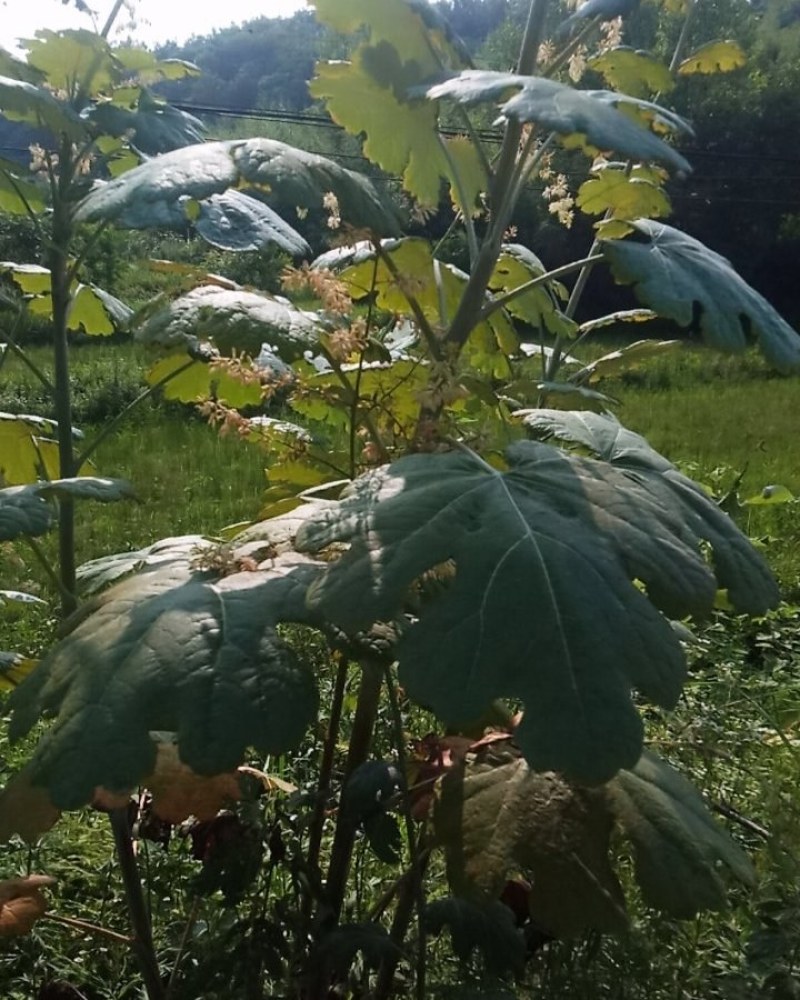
(100, 573)
(22, 101)
(88, 488)
(674, 274)
(232, 319)
(633, 72)
(193, 381)
(714, 57)
(574, 397)
(538, 307)
(14, 667)
(769, 495)
(152, 126)
(625, 359)
(623, 195)
(160, 191)
(546, 606)
(234, 221)
(72, 58)
(564, 110)
(18, 194)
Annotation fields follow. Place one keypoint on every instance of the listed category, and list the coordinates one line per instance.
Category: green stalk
(60, 291)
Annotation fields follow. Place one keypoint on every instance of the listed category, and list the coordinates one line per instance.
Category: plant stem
(60, 292)
(48, 567)
(369, 693)
(326, 766)
(140, 922)
(84, 925)
(187, 930)
(683, 37)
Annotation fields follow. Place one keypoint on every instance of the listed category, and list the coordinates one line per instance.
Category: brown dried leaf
(25, 809)
(179, 792)
(22, 904)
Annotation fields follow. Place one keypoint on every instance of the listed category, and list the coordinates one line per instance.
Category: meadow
(728, 422)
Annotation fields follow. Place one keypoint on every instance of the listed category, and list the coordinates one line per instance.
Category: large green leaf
(235, 221)
(23, 101)
(539, 307)
(674, 273)
(101, 573)
(164, 191)
(174, 649)
(27, 449)
(617, 192)
(496, 817)
(232, 319)
(564, 110)
(72, 59)
(552, 562)
(679, 850)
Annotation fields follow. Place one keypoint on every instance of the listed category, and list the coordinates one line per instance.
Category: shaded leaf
(574, 396)
(177, 650)
(679, 850)
(22, 903)
(545, 606)
(496, 817)
(161, 191)
(234, 221)
(338, 949)
(673, 273)
(152, 126)
(564, 110)
(633, 72)
(368, 789)
(714, 57)
(485, 927)
(18, 194)
(24, 512)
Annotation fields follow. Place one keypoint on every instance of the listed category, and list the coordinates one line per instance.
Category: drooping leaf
(232, 319)
(368, 789)
(714, 57)
(24, 512)
(563, 110)
(162, 191)
(23, 101)
(178, 792)
(234, 221)
(153, 126)
(484, 927)
(673, 274)
(545, 606)
(576, 397)
(625, 359)
(679, 850)
(102, 490)
(175, 649)
(633, 72)
(22, 903)
(495, 817)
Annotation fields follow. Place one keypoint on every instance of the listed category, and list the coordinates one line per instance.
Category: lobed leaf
(673, 274)
(547, 604)
(714, 57)
(632, 71)
(175, 649)
(23, 101)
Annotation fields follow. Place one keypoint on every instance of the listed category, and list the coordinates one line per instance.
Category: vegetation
(444, 651)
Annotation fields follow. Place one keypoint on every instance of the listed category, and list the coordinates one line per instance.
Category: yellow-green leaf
(197, 381)
(625, 197)
(633, 72)
(714, 57)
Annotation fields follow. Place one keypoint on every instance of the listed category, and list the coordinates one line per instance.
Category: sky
(156, 20)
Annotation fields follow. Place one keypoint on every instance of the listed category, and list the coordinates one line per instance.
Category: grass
(736, 730)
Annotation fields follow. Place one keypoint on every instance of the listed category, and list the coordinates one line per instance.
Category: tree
(432, 515)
